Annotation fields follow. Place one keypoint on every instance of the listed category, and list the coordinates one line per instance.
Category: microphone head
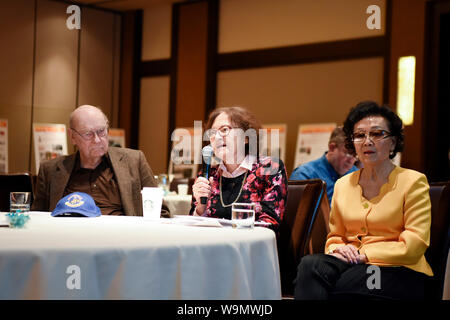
(207, 153)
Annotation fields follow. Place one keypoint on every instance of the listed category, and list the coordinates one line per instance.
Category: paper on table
(195, 221)
(206, 221)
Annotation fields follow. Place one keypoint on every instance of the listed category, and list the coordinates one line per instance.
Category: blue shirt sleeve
(300, 173)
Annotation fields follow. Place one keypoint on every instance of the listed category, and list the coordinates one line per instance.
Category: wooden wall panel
(97, 59)
(191, 64)
(56, 65)
(154, 122)
(16, 77)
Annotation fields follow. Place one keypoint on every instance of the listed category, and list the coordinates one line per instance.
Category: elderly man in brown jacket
(114, 177)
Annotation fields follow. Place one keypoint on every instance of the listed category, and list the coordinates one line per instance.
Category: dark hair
(369, 108)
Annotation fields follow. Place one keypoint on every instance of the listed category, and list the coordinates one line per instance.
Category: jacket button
(363, 229)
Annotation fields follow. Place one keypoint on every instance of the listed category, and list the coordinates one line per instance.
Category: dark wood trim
(307, 53)
(436, 168)
(33, 83)
(154, 68)
(387, 52)
(317, 52)
(136, 93)
(212, 48)
(173, 73)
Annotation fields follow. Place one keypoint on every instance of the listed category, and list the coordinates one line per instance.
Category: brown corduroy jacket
(130, 168)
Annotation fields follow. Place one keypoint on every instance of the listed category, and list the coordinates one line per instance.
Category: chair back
(304, 197)
(438, 250)
(14, 182)
(321, 227)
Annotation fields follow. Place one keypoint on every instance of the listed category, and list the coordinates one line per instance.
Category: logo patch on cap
(74, 201)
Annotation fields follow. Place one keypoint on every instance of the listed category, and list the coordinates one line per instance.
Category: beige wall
(301, 94)
(258, 24)
(16, 65)
(156, 31)
(154, 121)
(42, 85)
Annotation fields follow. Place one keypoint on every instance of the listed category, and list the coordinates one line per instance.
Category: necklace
(240, 191)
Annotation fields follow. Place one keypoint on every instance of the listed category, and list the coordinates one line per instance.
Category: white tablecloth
(133, 258)
(178, 204)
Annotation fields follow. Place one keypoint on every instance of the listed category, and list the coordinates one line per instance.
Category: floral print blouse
(265, 186)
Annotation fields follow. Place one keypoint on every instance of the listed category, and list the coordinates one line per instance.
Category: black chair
(437, 252)
(303, 202)
(14, 182)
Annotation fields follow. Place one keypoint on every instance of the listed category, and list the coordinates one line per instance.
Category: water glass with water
(19, 201)
(243, 215)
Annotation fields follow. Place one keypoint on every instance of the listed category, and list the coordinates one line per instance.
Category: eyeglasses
(89, 135)
(223, 131)
(374, 135)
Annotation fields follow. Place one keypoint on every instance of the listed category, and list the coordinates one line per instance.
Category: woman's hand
(201, 188)
(349, 254)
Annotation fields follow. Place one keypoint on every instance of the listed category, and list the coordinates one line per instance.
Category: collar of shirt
(245, 165)
(329, 168)
(105, 163)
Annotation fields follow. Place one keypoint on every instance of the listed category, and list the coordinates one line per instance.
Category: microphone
(207, 153)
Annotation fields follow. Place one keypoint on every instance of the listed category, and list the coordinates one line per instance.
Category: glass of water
(243, 215)
(19, 201)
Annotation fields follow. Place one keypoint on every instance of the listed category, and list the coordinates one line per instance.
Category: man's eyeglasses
(223, 131)
(89, 135)
(374, 135)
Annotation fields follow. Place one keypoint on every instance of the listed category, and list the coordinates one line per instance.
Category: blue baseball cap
(76, 204)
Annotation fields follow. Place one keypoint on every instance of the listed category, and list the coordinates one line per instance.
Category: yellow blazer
(393, 228)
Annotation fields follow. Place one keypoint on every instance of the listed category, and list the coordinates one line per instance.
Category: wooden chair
(437, 252)
(14, 182)
(304, 198)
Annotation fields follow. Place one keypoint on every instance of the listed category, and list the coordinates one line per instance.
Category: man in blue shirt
(335, 163)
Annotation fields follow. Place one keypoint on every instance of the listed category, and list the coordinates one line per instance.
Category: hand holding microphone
(202, 188)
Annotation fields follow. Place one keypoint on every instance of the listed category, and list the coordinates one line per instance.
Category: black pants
(322, 276)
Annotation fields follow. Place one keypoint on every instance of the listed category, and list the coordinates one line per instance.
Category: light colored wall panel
(154, 122)
(258, 24)
(16, 65)
(55, 66)
(96, 59)
(157, 31)
(299, 94)
(56, 58)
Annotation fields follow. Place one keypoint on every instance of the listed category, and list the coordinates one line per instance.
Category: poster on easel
(3, 146)
(116, 137)
(312, 141)
(185, 154)
(273, 141)
(50, 141)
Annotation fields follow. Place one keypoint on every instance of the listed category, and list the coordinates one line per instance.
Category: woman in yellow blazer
(379, 222)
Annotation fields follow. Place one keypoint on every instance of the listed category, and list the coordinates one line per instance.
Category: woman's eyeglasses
(89, 135)
(374, 135)
(223, 131)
